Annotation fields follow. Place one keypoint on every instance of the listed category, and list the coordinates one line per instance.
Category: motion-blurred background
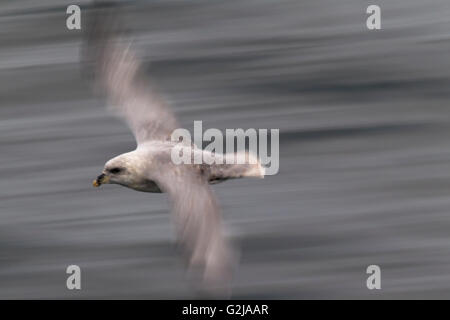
(364, 148)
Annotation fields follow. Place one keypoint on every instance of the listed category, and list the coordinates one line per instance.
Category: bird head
(119, 170)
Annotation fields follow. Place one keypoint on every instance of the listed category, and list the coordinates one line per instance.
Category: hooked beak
(101, 179)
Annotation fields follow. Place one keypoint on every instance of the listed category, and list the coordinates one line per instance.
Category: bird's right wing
(198, 220)
(119, 72)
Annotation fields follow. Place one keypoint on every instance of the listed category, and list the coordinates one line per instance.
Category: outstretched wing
(118, 72)
(198, 220)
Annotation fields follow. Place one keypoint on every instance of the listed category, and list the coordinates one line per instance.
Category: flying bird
(149, 168)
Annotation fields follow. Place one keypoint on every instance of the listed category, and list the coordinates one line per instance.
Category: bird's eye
(115, 170)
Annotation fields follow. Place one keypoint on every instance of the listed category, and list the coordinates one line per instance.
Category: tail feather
(235, 165)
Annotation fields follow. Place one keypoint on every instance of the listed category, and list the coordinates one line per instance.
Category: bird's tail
(251, 166)
(235, 165)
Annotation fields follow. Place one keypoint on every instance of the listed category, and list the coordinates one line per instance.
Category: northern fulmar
(149, 167)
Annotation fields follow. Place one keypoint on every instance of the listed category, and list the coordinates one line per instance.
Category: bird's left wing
(198, 220)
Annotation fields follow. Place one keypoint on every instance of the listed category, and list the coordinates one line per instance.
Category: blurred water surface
(364, 140)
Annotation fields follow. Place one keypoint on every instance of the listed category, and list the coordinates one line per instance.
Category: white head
(124, 170)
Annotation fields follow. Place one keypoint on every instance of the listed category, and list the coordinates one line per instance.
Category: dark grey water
(364, 140)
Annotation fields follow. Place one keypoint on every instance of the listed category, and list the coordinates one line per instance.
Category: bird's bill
(101, 179)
